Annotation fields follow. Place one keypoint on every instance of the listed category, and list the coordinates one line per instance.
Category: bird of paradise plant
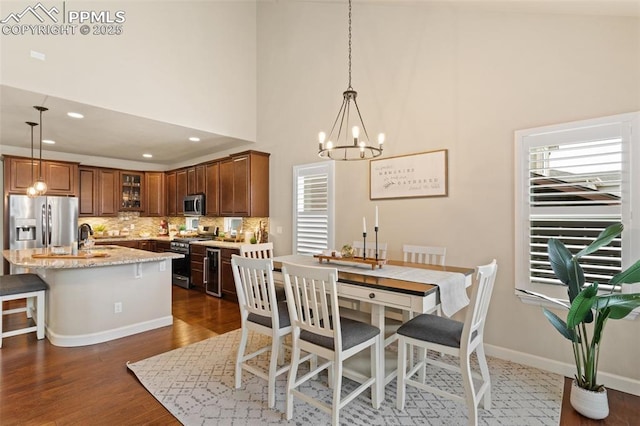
(586, 305)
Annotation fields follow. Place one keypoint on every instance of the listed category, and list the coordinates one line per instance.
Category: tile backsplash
(143, 224)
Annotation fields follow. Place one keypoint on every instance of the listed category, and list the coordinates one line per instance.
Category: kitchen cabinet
(88, 191)
(195, 179)
(198, 254)
(131, 189)
(162, 246)
(181, 189)
(172, 196)
(244, 185)
(61, 177)
(211, 188)
(226, 273)
(98, 189)
(154, 199)
(148, 245)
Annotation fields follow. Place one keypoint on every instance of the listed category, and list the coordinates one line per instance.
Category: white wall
(190, 63)
(435, 76)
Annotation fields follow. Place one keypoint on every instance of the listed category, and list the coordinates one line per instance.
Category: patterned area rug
(196, 384)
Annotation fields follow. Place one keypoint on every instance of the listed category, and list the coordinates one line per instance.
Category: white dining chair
(256, 291)
(312, 298)
(259, 251)
(459, 339)
(428, 255)
(358, 249)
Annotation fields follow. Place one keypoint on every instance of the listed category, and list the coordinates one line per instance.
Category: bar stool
(23, 286)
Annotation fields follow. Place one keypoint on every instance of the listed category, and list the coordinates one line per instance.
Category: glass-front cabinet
(131, 187)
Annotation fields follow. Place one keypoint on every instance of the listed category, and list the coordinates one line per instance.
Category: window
(313, 207)
(572, 181)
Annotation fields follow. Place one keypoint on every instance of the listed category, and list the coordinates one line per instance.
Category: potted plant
(587, 316)
(99, 229)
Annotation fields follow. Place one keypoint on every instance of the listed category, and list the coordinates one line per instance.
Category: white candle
(376, 216)
(364, 224)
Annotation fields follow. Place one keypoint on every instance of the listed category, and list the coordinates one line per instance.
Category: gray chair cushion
(21, 283)
(283, 317)
(353, 333)
(435, 329)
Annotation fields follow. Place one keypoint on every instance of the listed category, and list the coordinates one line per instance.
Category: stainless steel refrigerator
(42, 221)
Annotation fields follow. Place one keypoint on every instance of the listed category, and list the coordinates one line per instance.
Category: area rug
(196, 384)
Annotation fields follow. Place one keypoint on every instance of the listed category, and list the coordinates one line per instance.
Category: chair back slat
(480, 299)
(257, 251)
(428, 255)
(255, 288)
(313, 300)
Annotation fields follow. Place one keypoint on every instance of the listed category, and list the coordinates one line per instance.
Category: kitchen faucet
(84, 231)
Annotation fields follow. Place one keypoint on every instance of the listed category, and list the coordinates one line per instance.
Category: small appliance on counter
(163, 229)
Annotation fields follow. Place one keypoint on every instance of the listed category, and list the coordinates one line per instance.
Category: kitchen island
(105, 294)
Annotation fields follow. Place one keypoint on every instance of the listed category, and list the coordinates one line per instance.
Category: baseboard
(107, 335)
(612, 381)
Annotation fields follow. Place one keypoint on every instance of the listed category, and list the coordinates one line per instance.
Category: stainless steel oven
(181, 268)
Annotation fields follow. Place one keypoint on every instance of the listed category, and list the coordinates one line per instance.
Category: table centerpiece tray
(358, 260)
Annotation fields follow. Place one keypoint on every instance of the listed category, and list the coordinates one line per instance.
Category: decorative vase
(591, 404)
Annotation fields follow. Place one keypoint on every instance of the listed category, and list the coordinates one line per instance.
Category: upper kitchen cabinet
(99, 191)
(131, 190)
(181, 189)
(172, 196)
(211, 188)
(61, 177)
(196, 179)
(244, 184)
(154, 202)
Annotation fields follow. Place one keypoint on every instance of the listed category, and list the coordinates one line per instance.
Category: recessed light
(75, 115)
(194, 139)
(49, 141)
(147, 155)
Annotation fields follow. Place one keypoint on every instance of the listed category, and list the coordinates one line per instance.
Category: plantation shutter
(313, 208)
(575, 192)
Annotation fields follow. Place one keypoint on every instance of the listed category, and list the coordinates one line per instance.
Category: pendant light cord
(350, 88)
(40, 164)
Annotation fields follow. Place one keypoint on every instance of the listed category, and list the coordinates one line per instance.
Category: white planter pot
(593, 405)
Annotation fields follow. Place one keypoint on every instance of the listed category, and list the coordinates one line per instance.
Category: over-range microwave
(193, 205)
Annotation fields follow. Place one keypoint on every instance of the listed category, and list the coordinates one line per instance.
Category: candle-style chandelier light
(339, 145)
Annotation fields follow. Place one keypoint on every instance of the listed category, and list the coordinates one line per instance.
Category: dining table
(411, 288)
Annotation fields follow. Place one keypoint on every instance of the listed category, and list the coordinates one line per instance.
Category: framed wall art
(409, 176)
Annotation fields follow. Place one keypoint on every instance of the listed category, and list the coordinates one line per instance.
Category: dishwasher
(212, 279)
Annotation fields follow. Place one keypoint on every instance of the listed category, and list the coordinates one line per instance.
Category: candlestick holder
(364, 245)
(375, 228)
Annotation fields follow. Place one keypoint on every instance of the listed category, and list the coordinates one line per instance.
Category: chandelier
(345, 147)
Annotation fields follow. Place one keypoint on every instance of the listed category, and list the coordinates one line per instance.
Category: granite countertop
(131, 238)
(221, 244)
(116, 255)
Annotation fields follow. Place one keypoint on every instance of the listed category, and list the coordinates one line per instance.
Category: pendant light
(31, 191)
(358, 145)
(40, 185)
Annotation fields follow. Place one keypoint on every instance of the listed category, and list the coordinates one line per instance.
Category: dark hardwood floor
(44, 384)
(41, 384)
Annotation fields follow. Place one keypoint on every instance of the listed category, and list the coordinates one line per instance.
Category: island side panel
(81, 302)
